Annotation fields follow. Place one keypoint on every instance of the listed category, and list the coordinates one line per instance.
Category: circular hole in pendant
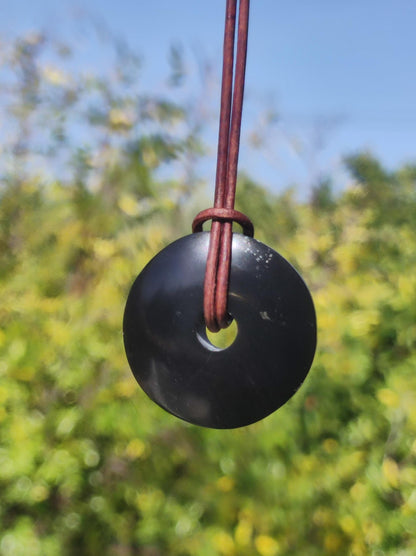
(224, 338)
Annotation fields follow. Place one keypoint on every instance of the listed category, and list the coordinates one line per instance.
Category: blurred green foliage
(89, 465)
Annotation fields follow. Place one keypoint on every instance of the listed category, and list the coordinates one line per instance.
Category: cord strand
(217, 274)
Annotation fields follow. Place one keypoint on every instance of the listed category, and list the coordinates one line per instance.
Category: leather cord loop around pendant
(223, 215)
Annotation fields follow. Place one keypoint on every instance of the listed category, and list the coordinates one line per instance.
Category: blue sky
(339, 74)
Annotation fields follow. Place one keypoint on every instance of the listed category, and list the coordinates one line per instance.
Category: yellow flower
(135, 448)
(224, 543)
(266, 546)
(128, 205)
(119, 119)
(55, 76)
(388, 397)
(391, 472)
(225, 484)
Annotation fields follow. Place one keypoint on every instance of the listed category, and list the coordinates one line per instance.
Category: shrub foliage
(88, 464)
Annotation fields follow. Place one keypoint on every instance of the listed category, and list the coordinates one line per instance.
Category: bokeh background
(108, 116)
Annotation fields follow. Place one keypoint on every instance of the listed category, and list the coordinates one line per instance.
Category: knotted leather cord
(217, 272)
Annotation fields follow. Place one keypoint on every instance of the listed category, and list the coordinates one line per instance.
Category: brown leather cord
(217, 272)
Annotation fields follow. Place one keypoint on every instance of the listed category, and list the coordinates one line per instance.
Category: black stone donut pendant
(178, 367)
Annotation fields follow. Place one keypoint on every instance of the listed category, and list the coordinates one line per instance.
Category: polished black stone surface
(175, 363)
